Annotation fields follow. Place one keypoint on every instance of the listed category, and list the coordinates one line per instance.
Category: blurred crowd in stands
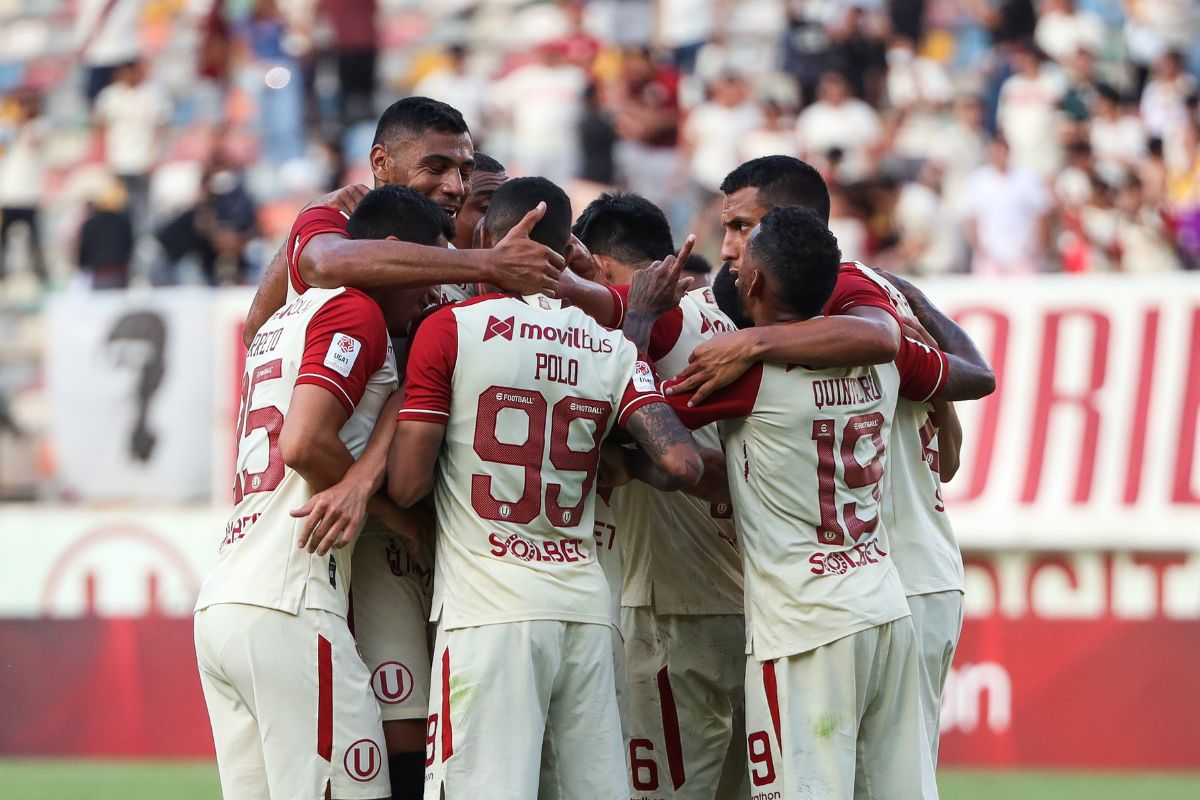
(172, 141)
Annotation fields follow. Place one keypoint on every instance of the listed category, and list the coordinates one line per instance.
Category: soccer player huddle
(519, 514)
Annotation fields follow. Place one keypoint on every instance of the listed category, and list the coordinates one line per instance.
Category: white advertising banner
(1091, 438)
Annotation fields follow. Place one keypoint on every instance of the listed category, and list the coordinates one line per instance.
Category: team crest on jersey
(392, 682)
(342, 353)
(363, 760)
(499, 327)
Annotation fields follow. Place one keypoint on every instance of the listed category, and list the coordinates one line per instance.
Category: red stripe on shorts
(670, 718)
(447, 731)
(324, 698)
(772, 690)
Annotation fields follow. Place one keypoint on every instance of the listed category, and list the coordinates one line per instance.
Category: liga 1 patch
(342, 353)
(643, 377)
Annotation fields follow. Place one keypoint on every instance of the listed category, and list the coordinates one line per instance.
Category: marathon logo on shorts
(564, 551)
(342, 353)
(842, 561)
(363, 760)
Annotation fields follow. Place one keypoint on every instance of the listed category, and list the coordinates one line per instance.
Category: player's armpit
(269, 298)
(412, 460)
(667, 458)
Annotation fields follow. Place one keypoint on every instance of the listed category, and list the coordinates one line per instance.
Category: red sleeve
(735, 400)
(311, 222)
(641, 390)
(431, 361)
(666, 330)
(346, 343)
(923, 370)
(855, 289)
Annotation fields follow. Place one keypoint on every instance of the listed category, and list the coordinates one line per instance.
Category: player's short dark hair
(415, 115)
(517, 197)
(401, 212)
(485, 163)
(697, 264)
(797, 249)
(627, 227)
(724, 289)
(781, 181)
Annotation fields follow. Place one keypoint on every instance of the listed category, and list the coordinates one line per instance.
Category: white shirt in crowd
(466, 92)
(21, 165)
(715, 131)
(852, 126)
(1062, 35)
(920, 216)
(132, 117)
(1116, 143)
(1006, 207)
(1028, 116)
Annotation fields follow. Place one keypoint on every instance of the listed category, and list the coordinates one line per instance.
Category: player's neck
(770, 311)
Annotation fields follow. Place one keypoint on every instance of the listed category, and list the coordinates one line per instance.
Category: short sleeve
(854, 289)
(923, 370)
(311, 222)
(431, 361)
(735, 400)
(667, 328)
(641, 390)
(346, 343)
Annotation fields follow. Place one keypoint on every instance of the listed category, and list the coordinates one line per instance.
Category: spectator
(929, 242)
(840, 121)
(454, 84)
(1007, 216)
(597, 139)
(355, 48)
(1143, 237)
(959, 149)
(1117, 136)
(915, 82)
(131, 115)
(647, 121)
(775, 135)
(859, 48)
(1028, 114)
(1164, 100)
(683, 26)
(22, 143)
(274, 72)
(1062, 30)
(217, 229)
(542, 102)
(713, 132)
(106, 37)
(106, 240)
(1183, 193)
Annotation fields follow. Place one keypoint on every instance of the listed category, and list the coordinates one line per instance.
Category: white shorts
(290, 704)
(503, 692)
(687, 716)
(390, 592)
(841, 721)
(938, 620)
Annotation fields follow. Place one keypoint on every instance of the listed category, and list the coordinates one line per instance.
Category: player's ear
(481, 237)
(381, 163)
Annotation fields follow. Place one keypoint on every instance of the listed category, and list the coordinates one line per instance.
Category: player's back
(805, 464)
(681, 552)
(258, 562)
(534, 389)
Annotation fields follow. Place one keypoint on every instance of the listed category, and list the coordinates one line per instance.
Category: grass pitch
(52, 779)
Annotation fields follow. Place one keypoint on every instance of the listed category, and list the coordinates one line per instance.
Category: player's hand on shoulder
(714, 365)
(332, 518)
(658, 288)
(345, 199)
(519, 264)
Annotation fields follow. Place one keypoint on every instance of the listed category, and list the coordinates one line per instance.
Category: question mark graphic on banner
(143, 334)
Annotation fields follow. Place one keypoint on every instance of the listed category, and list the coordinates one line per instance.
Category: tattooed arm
(667, 457)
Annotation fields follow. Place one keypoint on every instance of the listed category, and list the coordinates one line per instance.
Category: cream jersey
(609, 551)
(527, 390)
(332, 338)
(925, 547)
(805, 453)
(681, 552)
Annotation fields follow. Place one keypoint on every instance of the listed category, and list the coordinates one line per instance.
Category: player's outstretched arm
(862, 336)
(667, 457)
(970, 377)
(412, 460)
